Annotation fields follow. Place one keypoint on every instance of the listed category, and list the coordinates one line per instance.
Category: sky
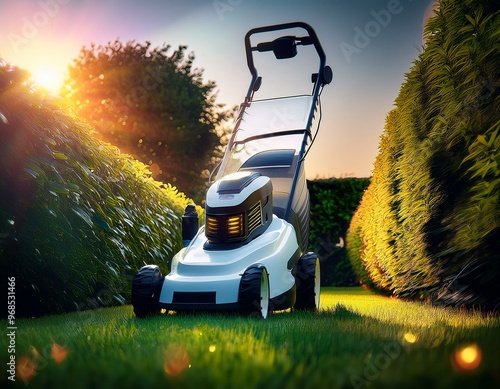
(370, 45)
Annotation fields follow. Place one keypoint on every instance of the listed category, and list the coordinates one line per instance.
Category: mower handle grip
(269, 46)
(312, 38)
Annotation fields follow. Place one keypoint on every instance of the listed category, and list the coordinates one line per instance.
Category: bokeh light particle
(410, 338)
(58, 353)
(26, 368)
(467, 357)
(176, 360)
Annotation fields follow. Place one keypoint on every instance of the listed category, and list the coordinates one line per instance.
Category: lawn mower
(250, 256)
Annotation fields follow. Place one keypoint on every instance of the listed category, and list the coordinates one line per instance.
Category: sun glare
(48, 78)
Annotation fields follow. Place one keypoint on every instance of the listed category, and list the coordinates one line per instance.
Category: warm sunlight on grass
(396, 311)
(358, 340)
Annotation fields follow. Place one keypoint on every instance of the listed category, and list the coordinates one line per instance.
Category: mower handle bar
(311, 39)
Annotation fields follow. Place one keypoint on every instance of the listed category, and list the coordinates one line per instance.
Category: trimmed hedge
(77, 218)
(333, 202)
(429, 223)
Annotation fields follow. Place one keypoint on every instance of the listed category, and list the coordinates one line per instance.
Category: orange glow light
(467, 357)
(58, 353)
(176, 361)
(26, 368)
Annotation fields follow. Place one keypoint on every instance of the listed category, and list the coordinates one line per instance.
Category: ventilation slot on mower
(254, 217)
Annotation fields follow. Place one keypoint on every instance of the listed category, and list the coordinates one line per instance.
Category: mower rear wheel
(308, 281)
(146, 289)
(254, 292)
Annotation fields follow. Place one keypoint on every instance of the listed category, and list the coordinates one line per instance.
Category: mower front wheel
(146, 289)
(254, 292)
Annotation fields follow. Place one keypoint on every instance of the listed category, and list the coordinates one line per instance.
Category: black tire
(308, 282)
(253, 295)
(146, 289)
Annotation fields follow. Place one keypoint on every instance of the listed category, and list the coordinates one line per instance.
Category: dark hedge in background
(333, 202)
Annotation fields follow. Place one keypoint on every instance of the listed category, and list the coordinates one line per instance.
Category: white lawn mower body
(251, 254)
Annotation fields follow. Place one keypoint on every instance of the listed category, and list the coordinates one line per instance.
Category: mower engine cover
(238, 208)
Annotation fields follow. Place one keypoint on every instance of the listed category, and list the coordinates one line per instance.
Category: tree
(153, 105)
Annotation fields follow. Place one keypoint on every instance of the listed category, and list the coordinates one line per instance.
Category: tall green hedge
(77, 218)
(333, 202)
(429, 224)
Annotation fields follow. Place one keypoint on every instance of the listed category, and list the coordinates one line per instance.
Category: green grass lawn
(358, 340)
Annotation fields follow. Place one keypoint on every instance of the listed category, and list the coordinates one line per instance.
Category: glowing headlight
(225, 227)
(212, 226)
(235, 226)
(239, 208)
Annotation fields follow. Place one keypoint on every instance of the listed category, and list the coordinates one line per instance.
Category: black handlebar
(278, 45)
(286, 47)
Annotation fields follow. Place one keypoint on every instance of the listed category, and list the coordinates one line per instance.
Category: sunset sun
(49, 78)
